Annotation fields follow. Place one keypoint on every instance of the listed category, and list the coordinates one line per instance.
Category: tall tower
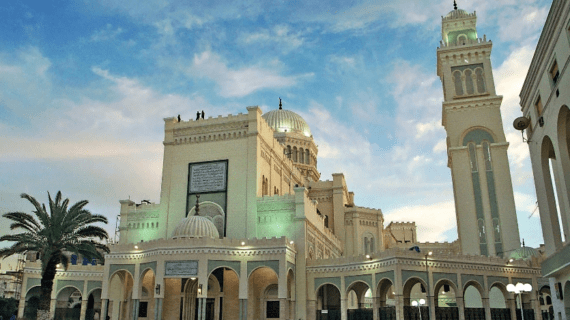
(476, 144)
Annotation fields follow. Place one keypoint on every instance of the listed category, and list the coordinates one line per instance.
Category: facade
(246, 229)
(545, 102)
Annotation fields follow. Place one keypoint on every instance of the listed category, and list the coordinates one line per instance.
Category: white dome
(195, 227)
(287, 121)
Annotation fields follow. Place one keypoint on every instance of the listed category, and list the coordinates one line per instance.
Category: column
(203, 308)
(311, 309)
(104, 309)
(242, 309)
(460, 307)
(21, 305)
(431, 305)
(83, 309)
(343, 315)
(512, 304)
(399, 299)
(283, 309)
(199, 309)
(135, 309)
(52, 305)
(158, 308)
(487, 307)
(375, 305)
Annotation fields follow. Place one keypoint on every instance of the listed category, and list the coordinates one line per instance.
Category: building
(246, 229)
(545, 101)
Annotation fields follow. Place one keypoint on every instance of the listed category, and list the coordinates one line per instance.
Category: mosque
(247, 229)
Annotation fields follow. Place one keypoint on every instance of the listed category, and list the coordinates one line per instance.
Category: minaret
(476, 144)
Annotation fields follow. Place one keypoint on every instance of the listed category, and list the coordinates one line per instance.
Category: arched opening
(215, 305)
(32, 303)
(301, 155)
(263, 300)
(458, 83)
(290, 295)
(120, 295)
(307, 157)
(328, 302)
(498, 296)
(415, 290)
(146, 289)
(93, 311)
(359, 301)
(472, 298)
(564, 164)
(545, 299)
(446, 303)
(551, 209)
(469, 88)
(385, 294)
(68, 304)
(294, 154)
(481, 88)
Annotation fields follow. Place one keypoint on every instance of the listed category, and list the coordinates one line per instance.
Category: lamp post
(427, 281)
(519, 288)
(419, 303)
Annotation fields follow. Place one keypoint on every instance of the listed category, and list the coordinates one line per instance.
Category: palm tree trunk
(46, 288)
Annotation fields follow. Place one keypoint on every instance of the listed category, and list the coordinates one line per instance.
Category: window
(143, 307)
(469, 82)
(462, 39)
(307, 158)
(272, 311)
(480, 81)
(473, 157)
(458, 83)
(554, 73)
(538, 106)
(487, 156)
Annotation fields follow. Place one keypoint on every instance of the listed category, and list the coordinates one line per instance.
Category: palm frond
(24, 219)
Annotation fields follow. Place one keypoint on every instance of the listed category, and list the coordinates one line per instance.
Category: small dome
(195, 227)
(457, 13)
(287, 121)
(524, 253)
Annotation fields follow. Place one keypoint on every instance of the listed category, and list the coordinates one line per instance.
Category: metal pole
(522, 310)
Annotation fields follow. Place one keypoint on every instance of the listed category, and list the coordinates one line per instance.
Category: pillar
(375, 305)
(431, 299)
(83, 309)
(283, 309)
(311, 309)
(203, 309)
(199, 309)
(460, 307)
(21, 305)
(343, 309)
(104, 309)
(158, 308)
(135, 309)
(487, 307)
(52, 305)
(512, 304)
(242, 309)
(399, 306)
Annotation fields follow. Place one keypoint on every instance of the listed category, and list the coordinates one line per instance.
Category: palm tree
(63, 230)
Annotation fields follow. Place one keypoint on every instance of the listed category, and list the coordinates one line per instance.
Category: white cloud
(108, 33)
(239, 82)
(427, 127)
(432, 220)
(280, 36)
(441, 146)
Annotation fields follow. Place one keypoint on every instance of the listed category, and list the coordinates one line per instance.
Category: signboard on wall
(181, 268)
(208, 177)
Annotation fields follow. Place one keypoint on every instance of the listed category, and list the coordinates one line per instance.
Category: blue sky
(84, 86)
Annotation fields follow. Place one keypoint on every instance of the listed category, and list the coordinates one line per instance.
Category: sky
(84, 86)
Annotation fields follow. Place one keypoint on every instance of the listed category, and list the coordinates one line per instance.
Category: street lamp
(419, 303)
(519, 288)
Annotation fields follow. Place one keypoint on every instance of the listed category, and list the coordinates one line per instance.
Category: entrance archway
(415, 289)
(32, 303)
(498, 297)
(446, 303)
(328, 302)
(93, 311)
(120, 295)
(385, 294)
(214, 308)
(263, 302)
(68, 304)
(472, 297)
(146, 291)
(359, 301)
(545, 299)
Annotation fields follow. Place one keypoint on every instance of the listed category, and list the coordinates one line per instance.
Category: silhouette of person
(202, 114)
(178, 118)
(197, 115)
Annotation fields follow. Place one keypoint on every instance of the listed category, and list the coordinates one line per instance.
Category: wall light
(199, 289)
(157, 288)
(367, 256)
(136, 247)
(291, 242)
(243, 243)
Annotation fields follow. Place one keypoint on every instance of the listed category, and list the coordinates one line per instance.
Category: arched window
(469, 82)
(294, 154)
(458, 83)
(307, 157)
(326, 221)
(473, 157)
(462, 39)
(487, 156)
(480, 80)
(289, 152)
(263, 186)
(301, 155)
(366, 245)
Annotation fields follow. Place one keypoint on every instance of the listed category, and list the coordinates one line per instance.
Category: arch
(386, 293)
(328, 298)
(563, 133)
(477, 135)
(93, 304)
(457, 75)
(480, 76)
(68, 303)
(147, 283)
(469, 87)
(550, 212)
(473, 294)
(32, 302)
(120, 294)
(414, 288)
(307, 156)
(291, 289)
(259, 280)
(69, 286)
(294, 154)
(445, 292)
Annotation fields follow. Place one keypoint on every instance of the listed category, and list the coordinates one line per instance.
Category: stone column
(432, 306)
(83, 309)
(52, 305)
(399, 299)
(104, 309)
(343, 309)
(512, 304)
(460, 307)
(283, 309)
(311, 309)
(203, 309)
(487, 307)
(21, 306)
(135, 309)
(375, 305)
(199, 309)
(158, 308)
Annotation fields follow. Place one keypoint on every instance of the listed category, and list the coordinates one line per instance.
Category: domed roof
(286, 121)
(524, 253)
(458, 13)
(195, 227)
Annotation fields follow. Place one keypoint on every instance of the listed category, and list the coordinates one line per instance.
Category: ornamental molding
(212, 128)
(68, 274)
(207, 251)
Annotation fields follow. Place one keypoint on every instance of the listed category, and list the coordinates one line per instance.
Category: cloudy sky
(84, 86)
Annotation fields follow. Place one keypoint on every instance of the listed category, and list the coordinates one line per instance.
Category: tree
(64, 230)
